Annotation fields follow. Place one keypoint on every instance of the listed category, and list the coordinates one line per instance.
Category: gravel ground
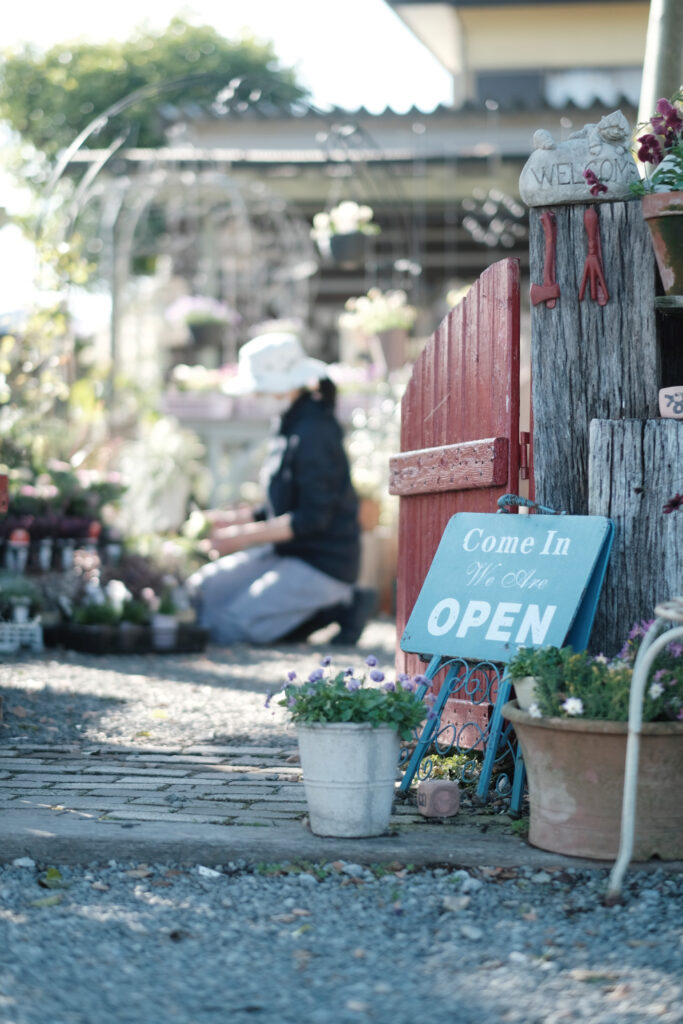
(165, 700)
(335, 943)
(125, 943)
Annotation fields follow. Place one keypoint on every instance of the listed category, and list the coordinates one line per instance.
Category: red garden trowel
(549, 291)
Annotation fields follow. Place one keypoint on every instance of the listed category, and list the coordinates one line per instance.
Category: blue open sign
(500, 582)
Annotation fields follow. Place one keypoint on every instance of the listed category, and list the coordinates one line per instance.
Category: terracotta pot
(394, 345)
(575, 772)
(663, 212)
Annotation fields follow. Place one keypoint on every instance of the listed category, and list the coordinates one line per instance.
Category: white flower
(656, 690)
(534, 710)
(117, 593)
(573, 706)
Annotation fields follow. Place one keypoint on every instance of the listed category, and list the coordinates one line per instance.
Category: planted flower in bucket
(349, 730)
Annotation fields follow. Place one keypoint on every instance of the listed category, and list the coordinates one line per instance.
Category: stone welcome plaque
(500, 582)
(553, 174)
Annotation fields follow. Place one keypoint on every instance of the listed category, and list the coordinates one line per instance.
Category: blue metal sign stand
(498, 583)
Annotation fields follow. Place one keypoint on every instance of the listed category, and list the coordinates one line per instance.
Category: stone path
(215, 804)
(175, 759)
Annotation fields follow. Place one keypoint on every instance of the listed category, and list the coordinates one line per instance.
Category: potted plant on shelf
(19, 597)
(342, 232)
(660, 146)
(573, 738)
(205, 317)
(163, 620)
(348, 734)
(386, 316)
(134, 628)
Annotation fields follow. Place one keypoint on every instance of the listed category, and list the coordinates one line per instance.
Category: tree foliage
(49, 98)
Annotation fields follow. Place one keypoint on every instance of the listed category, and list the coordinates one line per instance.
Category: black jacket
(308, 476)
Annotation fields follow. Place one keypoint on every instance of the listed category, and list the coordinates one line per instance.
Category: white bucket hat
(274, 364)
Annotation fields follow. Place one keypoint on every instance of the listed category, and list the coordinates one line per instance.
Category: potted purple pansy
(660, 147)
(349, 728)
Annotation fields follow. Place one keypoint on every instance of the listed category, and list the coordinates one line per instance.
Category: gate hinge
(524, 442)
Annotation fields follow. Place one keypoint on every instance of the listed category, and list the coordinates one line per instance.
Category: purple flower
(315, 675)
(595, 186)
(371, 660)
(673, 503)
(291, 676)
(352, 684)
(650, 150)
(376, 675)
(327, 660)
(388, 686)
(291, 702)
(422, 681)
(269, 697)
(675, 649)
(669, 123)
(348, 671)
(408, 684)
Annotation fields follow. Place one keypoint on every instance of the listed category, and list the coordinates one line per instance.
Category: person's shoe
(354, 617)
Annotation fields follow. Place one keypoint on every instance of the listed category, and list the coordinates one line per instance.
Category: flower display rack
(16, 635)
(103, 639)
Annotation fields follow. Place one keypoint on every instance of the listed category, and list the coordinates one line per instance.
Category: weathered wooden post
(596, 367)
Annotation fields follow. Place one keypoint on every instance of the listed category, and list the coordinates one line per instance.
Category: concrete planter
(575, 770)
(349, 772)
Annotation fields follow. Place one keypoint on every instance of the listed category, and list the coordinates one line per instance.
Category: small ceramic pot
(525, 690)
(438, 798)
(671, 402)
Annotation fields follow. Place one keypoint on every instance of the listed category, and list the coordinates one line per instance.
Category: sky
(349, 52)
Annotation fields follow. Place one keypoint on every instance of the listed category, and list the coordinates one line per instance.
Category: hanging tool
(549, 291)
(592, 269)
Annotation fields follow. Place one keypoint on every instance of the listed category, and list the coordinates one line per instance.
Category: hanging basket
(348, 250)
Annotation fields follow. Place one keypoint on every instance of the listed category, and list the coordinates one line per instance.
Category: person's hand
(227, 541)
(221, 517)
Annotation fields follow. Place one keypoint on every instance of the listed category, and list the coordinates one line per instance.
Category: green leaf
(52, 879)
(48, 901)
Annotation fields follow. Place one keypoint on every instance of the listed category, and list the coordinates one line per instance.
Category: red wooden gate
(459, 428)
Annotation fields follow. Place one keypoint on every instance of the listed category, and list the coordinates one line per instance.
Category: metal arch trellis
(345, 142)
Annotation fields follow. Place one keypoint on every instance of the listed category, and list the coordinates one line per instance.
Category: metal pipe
(647, 654)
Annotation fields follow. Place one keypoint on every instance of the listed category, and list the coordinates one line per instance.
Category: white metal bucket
(349, 772)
